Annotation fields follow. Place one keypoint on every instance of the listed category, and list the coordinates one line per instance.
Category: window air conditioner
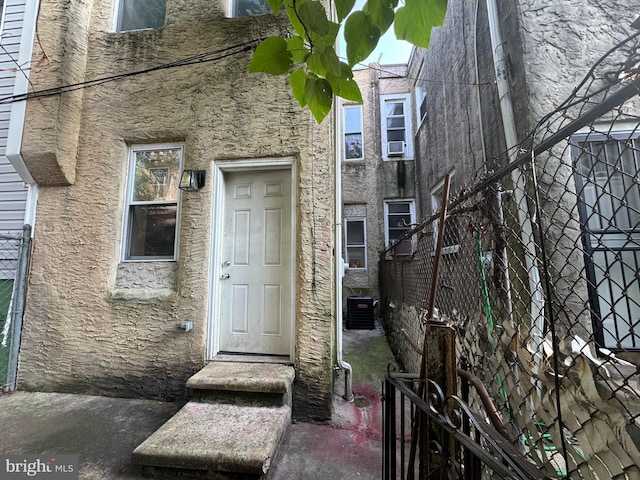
(395, 148)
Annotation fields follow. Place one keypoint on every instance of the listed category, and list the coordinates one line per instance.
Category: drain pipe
(339, 262)
(511, 139)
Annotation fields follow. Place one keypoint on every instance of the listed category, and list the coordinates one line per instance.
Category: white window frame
(117, 20)
(436, 202)
(412, 214)
(345, 132)
(126, 231)
(405, 99)
(363, 245)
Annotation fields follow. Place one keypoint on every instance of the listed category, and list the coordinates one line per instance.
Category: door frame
(219, 168)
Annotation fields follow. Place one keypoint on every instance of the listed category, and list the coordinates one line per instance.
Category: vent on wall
(395, 148)
(360, 313)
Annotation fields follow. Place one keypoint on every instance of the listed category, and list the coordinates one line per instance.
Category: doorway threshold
(251, 358)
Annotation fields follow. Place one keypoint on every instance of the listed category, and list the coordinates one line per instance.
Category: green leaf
(271, 56)
(343, 8)
(330, 60)
(293, 16)
(344, 85)
(297, 81)
(295, 45)
(345, 88)
(276, 6)
(319, 97)
(329, 40)
(415, 20)
(314, 63)
(381, 13)
(361, 36)
(314, 17)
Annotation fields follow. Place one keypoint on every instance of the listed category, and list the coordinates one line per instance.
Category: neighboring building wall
(95, 325)
(368, 182)
(546, 55)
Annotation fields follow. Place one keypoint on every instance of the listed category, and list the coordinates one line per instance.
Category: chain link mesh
(9, 259)
(540, 277)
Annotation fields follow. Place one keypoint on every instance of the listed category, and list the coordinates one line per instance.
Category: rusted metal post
(416, 430)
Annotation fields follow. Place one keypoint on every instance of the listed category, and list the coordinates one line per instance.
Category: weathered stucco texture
(94, 325)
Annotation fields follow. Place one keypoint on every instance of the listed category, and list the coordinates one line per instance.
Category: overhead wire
(190, 60)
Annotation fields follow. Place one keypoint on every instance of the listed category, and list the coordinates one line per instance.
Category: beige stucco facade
(96, 324)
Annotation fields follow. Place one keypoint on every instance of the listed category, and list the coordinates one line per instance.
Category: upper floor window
(152, 202)
(451, 238)
(352, 115)
(396, 127)
(243, 8)
(399, 217)
(140, 14)
(421, 97)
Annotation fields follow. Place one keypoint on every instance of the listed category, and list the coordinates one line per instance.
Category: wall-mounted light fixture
(192, 180)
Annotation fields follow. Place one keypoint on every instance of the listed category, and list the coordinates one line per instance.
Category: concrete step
(243, 383)
(215, 441)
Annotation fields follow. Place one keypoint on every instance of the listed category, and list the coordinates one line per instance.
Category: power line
(191, 60)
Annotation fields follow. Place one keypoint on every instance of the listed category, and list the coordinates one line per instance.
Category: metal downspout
(511, 139)
(339, 263)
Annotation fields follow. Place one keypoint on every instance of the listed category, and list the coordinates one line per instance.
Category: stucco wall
(93, 325)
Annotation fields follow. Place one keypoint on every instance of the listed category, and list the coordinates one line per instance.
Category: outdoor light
(192, 180)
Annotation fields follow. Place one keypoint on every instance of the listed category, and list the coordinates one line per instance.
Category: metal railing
(459, 443)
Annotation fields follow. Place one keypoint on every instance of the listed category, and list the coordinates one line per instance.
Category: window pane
(352, 120)
(395, 109)
(157, 175)
(140, 14)
(356, 257)
(399, 208)
(353, 146)
(250, 7)
(355, 232)
(395, 122)
(152, 231)
(395, 136)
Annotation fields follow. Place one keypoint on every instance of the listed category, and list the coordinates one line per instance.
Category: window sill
(142, 295)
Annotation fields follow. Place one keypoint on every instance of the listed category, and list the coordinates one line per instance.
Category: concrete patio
(104, 431)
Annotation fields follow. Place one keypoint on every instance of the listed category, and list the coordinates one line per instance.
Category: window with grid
(608, 187)
(356, 243)
(399, 216)
(152, 202)
(140, 14)
(352, 127)
(396, 127)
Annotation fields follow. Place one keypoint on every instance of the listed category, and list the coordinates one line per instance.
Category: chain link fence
(540, 277)
(14, 256)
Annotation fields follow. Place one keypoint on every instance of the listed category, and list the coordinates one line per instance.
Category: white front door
(256, 274)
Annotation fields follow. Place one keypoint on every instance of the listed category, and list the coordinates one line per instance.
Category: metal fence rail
(14, 260)
(540, 277)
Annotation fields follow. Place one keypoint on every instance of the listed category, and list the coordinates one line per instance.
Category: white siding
(13, 191)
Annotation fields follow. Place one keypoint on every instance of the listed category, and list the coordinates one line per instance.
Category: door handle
(224, 276)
